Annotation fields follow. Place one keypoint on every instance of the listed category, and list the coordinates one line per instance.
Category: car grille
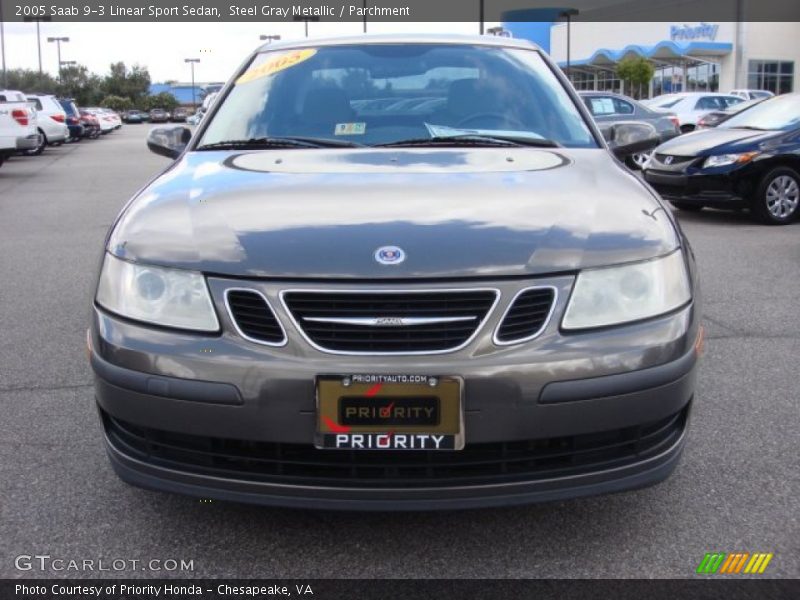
(675, 160)
(526, 316)
(302, 464)
(389, 322)
(253, 317)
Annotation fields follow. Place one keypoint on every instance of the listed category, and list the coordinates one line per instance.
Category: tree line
(122, 88)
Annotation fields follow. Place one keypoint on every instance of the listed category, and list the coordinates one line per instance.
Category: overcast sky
(161, 47)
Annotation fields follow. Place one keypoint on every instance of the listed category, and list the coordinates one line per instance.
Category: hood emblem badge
(668, 160)
(390, 255)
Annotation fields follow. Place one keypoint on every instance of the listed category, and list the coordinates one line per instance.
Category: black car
(76, 129)
(607, 108)
(752, 160)
(133, 116)
(159, 115)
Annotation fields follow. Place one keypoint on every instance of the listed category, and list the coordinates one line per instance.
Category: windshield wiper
(473, 139)
(278, 142)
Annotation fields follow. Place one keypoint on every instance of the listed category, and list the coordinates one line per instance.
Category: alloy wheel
(783, 196)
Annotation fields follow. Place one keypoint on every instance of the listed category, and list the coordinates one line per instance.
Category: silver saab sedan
(396, 273)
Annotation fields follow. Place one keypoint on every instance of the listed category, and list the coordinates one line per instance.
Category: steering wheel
(490, 115)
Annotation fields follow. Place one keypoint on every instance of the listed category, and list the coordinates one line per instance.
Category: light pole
(569, 13)
(269, 38)
(58, 41)
(306, 20)
(3, 45)
(191, 62)
(38, 36)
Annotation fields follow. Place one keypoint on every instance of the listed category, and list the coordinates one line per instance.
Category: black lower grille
(527, 315)
(302, 464)
(389, 322)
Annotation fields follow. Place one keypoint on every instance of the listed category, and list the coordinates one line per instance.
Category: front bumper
(720, 190)
(561, 416)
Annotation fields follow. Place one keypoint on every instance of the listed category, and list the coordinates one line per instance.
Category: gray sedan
(607, 107)
(320, 305)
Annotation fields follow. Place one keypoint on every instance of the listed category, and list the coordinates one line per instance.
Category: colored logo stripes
(737, 562)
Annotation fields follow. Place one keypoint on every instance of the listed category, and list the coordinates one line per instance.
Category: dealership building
(688, 57)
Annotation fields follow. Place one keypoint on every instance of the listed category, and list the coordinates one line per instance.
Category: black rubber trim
(616, 385)
(210, 392)
(165, 480)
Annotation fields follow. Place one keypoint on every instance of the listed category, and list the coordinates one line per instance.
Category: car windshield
(377, 94)
(779, 113)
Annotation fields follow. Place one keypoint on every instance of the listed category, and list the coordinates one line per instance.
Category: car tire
(777, 197)
(687, 128)
(636, 161)
(40, 147)
(686, 206)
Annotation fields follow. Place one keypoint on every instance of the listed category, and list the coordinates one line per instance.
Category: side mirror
(169, 141)
(630, 137)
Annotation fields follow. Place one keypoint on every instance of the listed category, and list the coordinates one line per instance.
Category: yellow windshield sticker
(283, 61)
(350, 129)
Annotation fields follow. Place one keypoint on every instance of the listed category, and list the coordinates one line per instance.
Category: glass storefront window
(772, 75)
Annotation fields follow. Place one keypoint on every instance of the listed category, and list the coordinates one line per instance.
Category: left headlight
(616, 295)
(168, 297)
(721, 160)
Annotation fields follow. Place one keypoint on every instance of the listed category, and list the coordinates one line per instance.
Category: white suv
(52, 120)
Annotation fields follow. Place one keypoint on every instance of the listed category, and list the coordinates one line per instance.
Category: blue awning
(666, 50)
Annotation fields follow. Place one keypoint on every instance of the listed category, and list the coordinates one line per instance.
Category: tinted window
(709, 103)
(623, 108)
(36, 102)
(382, 93)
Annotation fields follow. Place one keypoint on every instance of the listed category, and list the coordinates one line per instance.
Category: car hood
(719, 140)
(455, 212)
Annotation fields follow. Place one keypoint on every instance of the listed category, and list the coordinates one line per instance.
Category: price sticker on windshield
(275, 64)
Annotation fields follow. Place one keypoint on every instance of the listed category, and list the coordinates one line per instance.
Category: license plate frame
(408, 424)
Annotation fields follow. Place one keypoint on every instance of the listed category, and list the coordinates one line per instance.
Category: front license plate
(389, 412)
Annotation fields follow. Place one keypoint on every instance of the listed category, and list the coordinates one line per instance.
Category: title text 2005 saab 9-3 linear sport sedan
(396, 273)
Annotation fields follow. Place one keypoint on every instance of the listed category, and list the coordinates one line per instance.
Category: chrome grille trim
(282, 295)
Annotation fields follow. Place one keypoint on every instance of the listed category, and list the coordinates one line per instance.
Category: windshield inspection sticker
(350, 129)
(283, 61)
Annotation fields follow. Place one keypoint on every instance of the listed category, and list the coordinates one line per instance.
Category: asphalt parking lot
(736, 489)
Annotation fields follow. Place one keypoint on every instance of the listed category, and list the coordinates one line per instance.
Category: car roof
(481, 40)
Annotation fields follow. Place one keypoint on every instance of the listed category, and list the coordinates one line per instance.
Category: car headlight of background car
(615, 295)
(168, 297)
(721, 160)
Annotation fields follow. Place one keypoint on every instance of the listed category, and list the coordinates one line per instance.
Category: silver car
(473, 305)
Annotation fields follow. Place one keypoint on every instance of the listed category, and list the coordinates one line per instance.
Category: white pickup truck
(18, 131)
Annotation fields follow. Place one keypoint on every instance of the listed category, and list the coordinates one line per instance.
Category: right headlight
(167, 297)
(615, 295)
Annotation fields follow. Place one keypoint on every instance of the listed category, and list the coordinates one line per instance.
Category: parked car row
(31, 122)
(157, 115)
